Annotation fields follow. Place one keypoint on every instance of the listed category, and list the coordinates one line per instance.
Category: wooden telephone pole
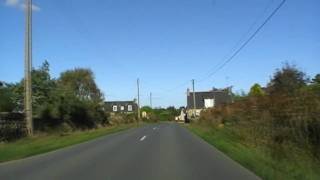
(138, 86)
(28, 68)
(151, 100)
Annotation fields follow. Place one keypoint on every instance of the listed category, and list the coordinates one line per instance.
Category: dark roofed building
(121, 106)
(208, 99)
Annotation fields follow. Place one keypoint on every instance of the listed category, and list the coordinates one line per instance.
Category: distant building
(121, 106)
(144, 114)
(207, 99)
(182, 117)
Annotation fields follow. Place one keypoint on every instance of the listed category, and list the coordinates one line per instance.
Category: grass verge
(257, 160)
(30, 146)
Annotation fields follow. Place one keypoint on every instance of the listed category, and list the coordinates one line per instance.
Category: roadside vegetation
(160, 114)
(71, 102)
(273, 131)
(66, 111)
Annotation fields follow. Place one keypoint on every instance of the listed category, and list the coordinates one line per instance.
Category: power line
(224, 63)
(180, 85)
(243, 45)
(242, 37)
(247, 41)
(165, 91)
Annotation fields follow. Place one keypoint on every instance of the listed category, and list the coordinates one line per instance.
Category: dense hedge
(284, 118)
(12, 126)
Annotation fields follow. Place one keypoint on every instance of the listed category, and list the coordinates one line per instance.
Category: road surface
(164, 151)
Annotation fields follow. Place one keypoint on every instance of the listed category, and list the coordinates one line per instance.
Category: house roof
(112, 102)
(220, 97)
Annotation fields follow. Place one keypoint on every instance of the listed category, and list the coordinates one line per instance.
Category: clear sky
(165, 43)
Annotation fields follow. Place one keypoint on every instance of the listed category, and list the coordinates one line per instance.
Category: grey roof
(220, 97)
(118, 102)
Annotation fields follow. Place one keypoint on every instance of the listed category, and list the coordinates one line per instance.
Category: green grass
(255, 159)
(30, 146)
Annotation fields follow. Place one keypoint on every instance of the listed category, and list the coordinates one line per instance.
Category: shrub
(124, 118)
(12, 126)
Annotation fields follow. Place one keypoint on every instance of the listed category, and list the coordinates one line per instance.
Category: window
(208, 103)
(115, 108)
(122, 108)
(129, 107)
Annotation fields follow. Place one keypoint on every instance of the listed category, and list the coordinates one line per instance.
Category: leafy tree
(287, 80)
(173, 111)
(256, 90)
(72, 101)
(6, 101)
(316, 79)
(315, 85)
(147, 109)
(42, 85)
(81, 83)
(78, 99)
(238, 96)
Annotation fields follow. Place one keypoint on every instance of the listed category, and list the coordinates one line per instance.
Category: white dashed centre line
(144, 137)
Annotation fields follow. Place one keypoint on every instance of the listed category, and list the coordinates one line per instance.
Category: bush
(273, 122)
(120, 118)
(12, 126)
(286, 117)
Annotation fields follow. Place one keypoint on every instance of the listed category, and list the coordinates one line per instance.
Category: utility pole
(194, 99)
(151, 99)
(28, 67)
(138, 86)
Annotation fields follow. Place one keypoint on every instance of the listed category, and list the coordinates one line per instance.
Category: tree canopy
(73, 99)
(287, 80)
(256, 90)
(81, 82)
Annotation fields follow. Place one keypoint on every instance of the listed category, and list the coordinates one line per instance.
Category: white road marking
(154, 128)
(141, 139)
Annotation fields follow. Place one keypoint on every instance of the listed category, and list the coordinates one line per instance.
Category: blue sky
(165, 43)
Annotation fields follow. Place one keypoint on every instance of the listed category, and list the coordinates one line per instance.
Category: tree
(73, 100)
(81, 83)
(42, 85)
(147, 109)
(6, 101)
(17, 95)
(79, 100)
(238, 96)
(315, 85)
(316, 79)
(256, 90)
(173, 111)
(287, 80)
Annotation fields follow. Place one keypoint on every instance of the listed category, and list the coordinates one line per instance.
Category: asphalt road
(163, 151)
